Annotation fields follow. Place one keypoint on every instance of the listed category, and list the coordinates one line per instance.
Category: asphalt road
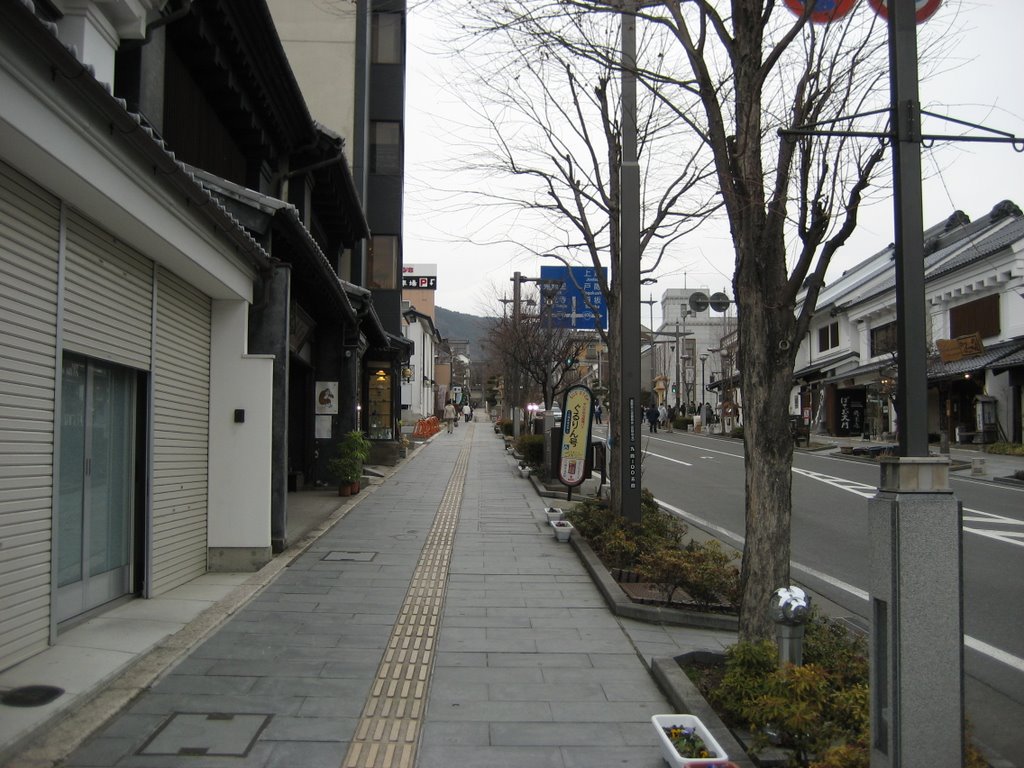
(702, 478)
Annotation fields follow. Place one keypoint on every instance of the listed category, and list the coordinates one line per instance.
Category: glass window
(385, 147)
(380, 404)
(883, 339)
(383, 268)
(828, 336)
(386, 46)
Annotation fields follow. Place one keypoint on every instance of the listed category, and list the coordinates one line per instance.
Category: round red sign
(823, 11)
(923, 8)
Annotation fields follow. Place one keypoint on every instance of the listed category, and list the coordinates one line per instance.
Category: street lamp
(703, 388)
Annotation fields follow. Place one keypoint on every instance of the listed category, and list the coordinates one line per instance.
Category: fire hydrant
(790, 611)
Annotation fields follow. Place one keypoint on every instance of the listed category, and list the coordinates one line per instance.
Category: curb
(686, 699)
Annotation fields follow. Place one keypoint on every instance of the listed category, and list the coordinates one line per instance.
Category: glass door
(96, 480)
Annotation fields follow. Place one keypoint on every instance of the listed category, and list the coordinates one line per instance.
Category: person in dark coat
(652, 417)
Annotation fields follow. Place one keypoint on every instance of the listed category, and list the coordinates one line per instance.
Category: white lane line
(996, 654)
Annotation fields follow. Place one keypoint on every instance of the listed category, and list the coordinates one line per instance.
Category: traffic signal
(570, 361)
(675, 388)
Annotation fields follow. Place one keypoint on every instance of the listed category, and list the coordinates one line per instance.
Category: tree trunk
(767, 379)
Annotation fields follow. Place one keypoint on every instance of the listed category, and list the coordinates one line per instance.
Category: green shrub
(682, 423)
(737, 432)
(1006, 449)
(618, 549)
(507, 427)
(531, 448)
(703, 570)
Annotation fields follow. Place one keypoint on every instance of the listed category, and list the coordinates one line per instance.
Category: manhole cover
(216, 734)
(31, 695)
(359, 557)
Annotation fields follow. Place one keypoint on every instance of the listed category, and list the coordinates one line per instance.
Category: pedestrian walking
(670, 416)
(467, 412)
(449, 416)
(652, 418)
(597, 414)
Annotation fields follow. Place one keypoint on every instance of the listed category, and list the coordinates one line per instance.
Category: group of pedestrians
(450, 416)
(660, 416)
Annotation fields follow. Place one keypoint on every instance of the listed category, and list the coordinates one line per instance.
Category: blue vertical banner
(579, 303)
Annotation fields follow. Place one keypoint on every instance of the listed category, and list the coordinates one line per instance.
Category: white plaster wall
(320, 41)
(240, 454)
(92, 35)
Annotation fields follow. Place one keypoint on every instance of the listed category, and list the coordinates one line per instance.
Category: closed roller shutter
(107, 297)
(181, 403)
(28, 325)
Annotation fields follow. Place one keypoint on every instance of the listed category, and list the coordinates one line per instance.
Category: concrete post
(917, 706)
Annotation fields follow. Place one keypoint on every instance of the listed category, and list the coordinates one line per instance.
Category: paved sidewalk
(525, 666)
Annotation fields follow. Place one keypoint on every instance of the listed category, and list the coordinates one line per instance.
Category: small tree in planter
(352, 451)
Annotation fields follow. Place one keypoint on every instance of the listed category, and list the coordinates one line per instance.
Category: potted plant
(347, 465)
(686, 742)
(563, 529)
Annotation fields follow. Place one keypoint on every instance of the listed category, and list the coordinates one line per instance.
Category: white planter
(668, 750)
(563, 529)
(554, 513)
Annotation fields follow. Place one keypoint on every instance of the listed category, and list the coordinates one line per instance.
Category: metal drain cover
(31, 695)
(218, 734)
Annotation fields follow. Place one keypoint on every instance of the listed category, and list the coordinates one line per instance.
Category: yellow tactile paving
(389, 728)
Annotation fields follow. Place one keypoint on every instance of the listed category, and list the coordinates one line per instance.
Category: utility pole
(516, 416)
(916, 584)
(627, 409)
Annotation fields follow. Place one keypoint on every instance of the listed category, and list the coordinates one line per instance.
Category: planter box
(554, 513)
(563, 530)
(668, 750)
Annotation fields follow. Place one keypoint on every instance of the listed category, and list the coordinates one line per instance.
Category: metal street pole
(677, 355)
(516, 281)
(628, 444)
(916, 559)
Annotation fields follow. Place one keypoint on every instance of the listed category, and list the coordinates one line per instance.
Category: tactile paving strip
(389, 728)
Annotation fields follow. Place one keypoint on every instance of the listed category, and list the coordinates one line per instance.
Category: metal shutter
(107, 297)
(181, 404)
(29, 221)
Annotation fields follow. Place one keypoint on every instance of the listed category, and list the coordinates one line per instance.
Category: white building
(974, 289)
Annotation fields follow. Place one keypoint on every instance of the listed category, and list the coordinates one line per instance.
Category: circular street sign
(719, 302)
(698, 301)
(923, 8)
(824, 10)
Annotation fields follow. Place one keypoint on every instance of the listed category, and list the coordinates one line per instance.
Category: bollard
(790, 613)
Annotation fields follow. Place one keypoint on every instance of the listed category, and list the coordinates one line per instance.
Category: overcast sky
(981, 84)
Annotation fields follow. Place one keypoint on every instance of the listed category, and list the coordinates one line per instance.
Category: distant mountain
(459, 325)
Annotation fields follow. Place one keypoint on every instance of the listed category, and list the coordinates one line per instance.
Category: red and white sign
(823, 11)
(924, 8)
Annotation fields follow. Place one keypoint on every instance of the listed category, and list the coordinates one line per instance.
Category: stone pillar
(268, 335)
(917, 708)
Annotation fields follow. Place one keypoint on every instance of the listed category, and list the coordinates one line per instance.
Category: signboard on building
(577, 418)
(419, 276)
(579, 303)
(951, 350)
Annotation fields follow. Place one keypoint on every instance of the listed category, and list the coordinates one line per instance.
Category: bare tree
(538, 351)
(735, 75)
(550, 96)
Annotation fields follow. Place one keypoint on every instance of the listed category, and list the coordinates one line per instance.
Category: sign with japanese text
(419, 276)
(579, 303)
(577, 420)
